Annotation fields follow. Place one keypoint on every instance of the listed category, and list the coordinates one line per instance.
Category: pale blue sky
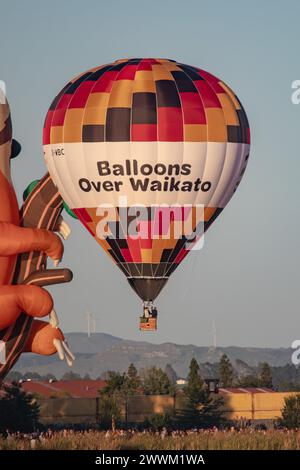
(246, 277)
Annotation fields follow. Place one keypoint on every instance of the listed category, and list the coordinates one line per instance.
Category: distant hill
(102, 352)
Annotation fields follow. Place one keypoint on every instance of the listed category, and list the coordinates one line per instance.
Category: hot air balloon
(146, 153)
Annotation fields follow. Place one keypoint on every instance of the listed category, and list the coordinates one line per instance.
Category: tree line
(281, 378)
(19, 410)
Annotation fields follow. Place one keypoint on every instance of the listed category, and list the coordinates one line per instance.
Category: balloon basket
(148, 324)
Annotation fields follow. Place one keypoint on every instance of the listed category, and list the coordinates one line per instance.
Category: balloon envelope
(147, 153)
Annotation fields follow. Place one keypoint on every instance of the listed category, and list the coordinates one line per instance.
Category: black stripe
(243, 124)
(147, 270)
(167, 94)
(192, 72)
(134, 61)
(96, 75)
(134, 270)
(93, 133)
(213, 218)
(183, 81)
(118, 125)
(144, 108)
(234, 134)
(73, 87)
(57, 98)
(119, 66)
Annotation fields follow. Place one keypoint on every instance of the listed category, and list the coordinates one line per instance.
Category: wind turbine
(91, 323)
(214, 328)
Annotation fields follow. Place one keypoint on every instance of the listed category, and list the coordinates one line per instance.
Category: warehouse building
(77, 401)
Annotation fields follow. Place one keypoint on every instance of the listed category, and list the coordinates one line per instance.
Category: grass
(201, 440)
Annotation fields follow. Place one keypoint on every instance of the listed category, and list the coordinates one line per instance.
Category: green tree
(118, 388)
(132, 381)
(105, 375)
(14, 376)
(199, 408)
(156, 382)
(109, 410)
(114, 383)
(122, 385)
(194, 390)
(32, 376)
(49, 377)
(291, 412)
(285, 386)
(226, 372)
(111, 398)
(265, 377)
(18, 409)
(158, 421)
(132, 371)
(249, 381)
(171, 373)
(71, 376)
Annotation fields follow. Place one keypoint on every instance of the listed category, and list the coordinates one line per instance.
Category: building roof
(73, 388)
(246, 390)
(90, 388)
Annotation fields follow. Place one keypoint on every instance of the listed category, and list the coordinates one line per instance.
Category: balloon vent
(147, 288)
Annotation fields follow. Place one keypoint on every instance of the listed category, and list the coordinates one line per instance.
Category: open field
(177, 440)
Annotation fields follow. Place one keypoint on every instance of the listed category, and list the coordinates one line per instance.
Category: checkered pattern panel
(146, 100)
(152, 244)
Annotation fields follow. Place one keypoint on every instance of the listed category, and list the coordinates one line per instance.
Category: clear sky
(246, 278)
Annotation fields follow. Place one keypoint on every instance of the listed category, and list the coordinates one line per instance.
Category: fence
(137, 409)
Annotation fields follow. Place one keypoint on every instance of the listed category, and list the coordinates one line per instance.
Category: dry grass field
(189, 440)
